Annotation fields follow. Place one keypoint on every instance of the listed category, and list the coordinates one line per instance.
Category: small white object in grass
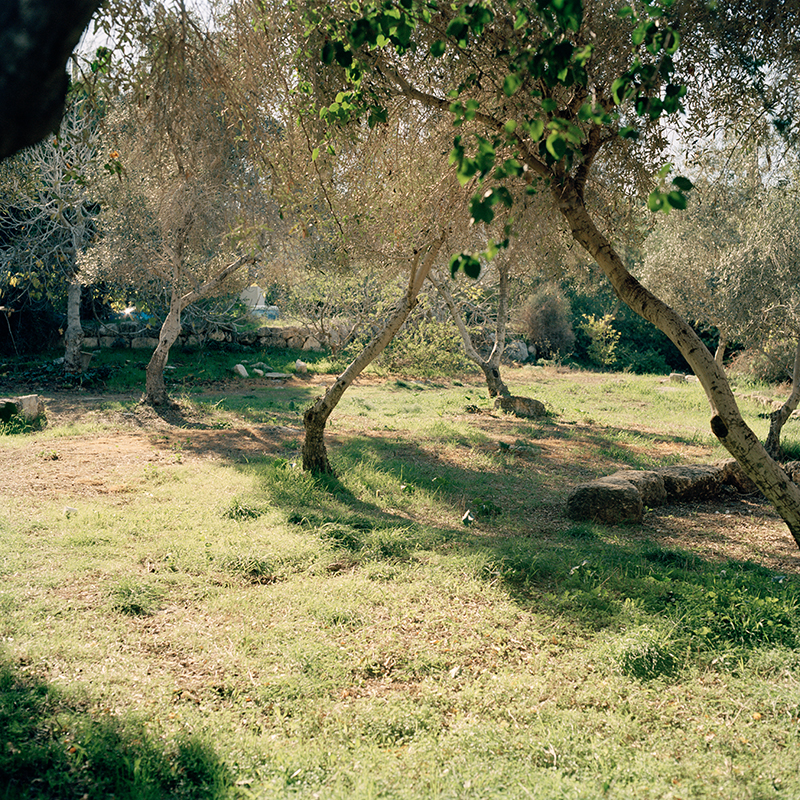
(468, 519)
(69, 511)
(301, 366)
(240, 370)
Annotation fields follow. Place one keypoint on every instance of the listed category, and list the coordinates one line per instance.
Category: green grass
(244, 630)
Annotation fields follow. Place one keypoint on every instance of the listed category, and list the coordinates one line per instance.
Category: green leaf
(469, 264)
(535, 129)
(480, 208)
(510, 127)
(655, 202)
(511, 83)
(315, 154)
(556, 145)
(665, 170)
(549, 105)
(438, 48)
(327, 53)
(471, 267)
(684, 184)
(677, 200)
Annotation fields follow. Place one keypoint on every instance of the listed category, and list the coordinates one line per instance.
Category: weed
(645, 654)
(134, 598)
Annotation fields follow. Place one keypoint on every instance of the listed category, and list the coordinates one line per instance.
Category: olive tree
(49, 205)
(541, 94)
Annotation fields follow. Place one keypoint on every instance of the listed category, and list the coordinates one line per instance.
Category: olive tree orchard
(182, 206)
(541, 94)
(733, 261)
(48, 205)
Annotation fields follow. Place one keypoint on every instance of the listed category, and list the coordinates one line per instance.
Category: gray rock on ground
(610, 500)
(525, 407)
(29, 406)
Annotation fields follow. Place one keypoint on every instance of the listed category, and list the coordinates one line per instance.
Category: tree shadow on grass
(593, 576)
(56, 747)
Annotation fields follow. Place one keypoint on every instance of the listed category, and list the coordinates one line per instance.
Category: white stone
(300, 366)
(240, 370)
(30, 406)
(259, 372)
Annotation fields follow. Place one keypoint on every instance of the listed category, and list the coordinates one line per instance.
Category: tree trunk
(719, 353)
(777, 419)
(726, 422)
(73, 336)
(315, 455)
(491, 365)
(155, 388)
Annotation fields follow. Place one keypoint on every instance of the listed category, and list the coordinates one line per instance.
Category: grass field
(184, 613)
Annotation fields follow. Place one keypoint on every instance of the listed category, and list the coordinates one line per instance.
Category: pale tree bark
(315, 454)
(73, 335)
(155, 393)
(491, 365)
(726, 422)
(719, 353)
(777, 419)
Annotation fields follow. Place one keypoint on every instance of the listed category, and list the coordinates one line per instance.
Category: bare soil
(744, 528)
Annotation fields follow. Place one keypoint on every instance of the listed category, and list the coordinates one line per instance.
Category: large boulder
(609, 500)
(692, 482)
(521, 406)
(733, 475)
(650, 484)
(517, 351)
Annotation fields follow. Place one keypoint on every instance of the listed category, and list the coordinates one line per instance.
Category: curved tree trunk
(726, 422)
(490, 365)
(155, 388)
(315, 454)
(777, 419)
(73, 335)
(155, 391)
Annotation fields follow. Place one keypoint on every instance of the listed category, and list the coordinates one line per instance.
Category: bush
(427, 348)
(773, 366)
(545, 321)
(603, 339)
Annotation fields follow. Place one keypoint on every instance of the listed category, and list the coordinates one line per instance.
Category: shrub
(427, 348)
(603, 339)
(545, 321)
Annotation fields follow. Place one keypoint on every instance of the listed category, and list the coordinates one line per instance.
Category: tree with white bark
(48, 207)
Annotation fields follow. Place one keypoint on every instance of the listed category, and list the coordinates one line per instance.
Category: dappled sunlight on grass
(240, 628)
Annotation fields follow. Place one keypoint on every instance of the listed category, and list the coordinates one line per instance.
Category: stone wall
(133, 335)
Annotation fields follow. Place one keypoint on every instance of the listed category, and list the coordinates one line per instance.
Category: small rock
(259, 372)
(69, 511)
(301, 367)
(517, 351)
(240, 370)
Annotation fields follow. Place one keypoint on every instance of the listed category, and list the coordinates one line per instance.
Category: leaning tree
(183, 199)
(543, 94)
